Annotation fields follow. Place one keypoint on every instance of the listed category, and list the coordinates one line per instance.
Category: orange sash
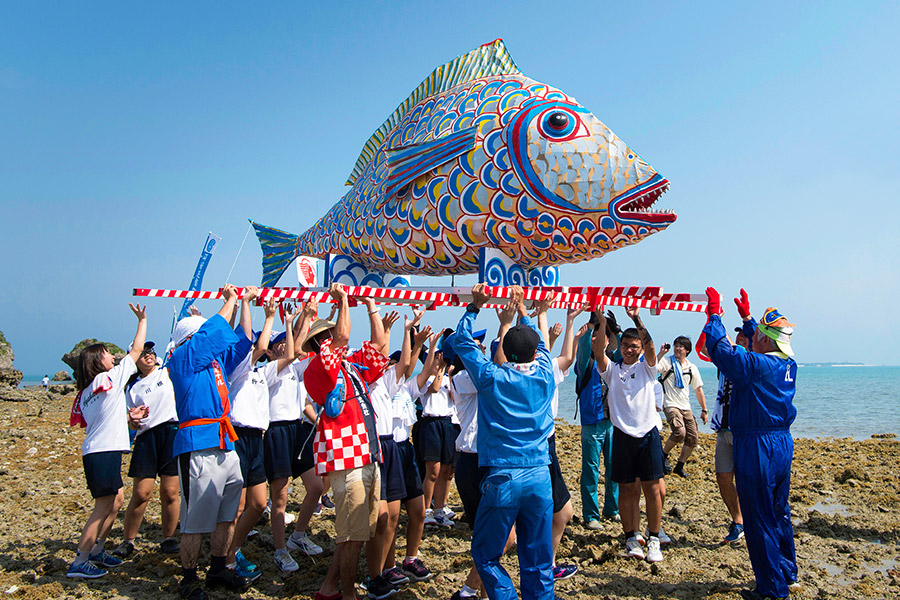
(226, 429)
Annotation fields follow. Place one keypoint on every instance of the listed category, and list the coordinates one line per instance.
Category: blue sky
(127, 131)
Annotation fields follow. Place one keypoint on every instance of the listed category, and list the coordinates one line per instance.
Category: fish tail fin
(279, 248)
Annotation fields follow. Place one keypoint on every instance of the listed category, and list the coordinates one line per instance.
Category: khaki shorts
(211, 485)
(724, 451)
(356, 498)
(684, 426)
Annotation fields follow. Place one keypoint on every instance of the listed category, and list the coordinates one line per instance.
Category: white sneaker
(302, 543)
(653, 552)
(447, 512)
(429, 517)
(442, 520)
(285, 561)
(640, 538)
(594, 525)
(663, 538)
(633, 548)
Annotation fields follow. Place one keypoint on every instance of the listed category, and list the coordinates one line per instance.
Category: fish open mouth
(634, 207)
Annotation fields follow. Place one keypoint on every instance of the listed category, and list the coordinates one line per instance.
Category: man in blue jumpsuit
(761, 413)
(514, 422)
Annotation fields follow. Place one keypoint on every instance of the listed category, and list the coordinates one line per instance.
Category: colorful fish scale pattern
(501, 161)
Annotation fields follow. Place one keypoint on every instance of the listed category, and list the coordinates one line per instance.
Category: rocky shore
(844, 500)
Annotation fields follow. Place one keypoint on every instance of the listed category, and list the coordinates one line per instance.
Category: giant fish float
(480, 156)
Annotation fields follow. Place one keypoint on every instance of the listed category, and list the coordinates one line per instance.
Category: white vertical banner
(308, 271)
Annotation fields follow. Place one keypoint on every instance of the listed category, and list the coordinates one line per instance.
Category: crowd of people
(230, 418)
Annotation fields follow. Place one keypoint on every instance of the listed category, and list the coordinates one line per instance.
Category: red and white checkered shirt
(342, 442)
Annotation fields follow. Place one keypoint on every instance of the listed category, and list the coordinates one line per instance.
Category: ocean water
(831, 401)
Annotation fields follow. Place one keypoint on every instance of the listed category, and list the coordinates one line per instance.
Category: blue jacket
(196, 394)
(514, 414)
(764, 384)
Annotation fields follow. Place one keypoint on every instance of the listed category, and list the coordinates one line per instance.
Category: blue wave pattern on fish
(499, 160)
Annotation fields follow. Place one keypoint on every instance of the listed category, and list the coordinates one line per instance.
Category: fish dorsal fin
(486, 60)
(408, 162)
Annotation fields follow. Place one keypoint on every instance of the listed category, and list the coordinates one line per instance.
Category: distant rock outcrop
(9, 375)
(60, 376)
(71, 357)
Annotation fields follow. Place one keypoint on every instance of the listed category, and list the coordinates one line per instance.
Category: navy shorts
(412, 479)
(468, 484)
(636, 458)
(282, 445)
(557, 483)
(152, 452)
(393, 487)
(103, 471)
(249, 448)
(437, 440)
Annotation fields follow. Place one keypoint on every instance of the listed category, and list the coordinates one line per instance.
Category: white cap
(185, 328)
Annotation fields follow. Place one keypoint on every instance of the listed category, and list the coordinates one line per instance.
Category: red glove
(713, 302)
(743, 305)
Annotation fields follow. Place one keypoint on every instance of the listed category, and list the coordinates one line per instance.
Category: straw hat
(318, 326)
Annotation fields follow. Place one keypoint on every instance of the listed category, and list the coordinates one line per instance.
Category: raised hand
(337, 292)
(584, 329)
(418, 313)
(507, 314)
(420, 336)
(270, 308)
(311, 308)
(250, 293)
(480, 296)
(632, 312)
(139, 311)
(713, 302)
(388, 320)
(544, 305)
(229, 292)
(612, 323)
(195, 312)
(572, 313)
(743, 305)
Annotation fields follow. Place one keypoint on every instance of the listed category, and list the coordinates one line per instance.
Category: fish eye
(558, 121)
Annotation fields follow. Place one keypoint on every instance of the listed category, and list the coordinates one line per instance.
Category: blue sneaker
(564, 571)
(86, 570)
(243, 563)
(735, 532)
(105, 559)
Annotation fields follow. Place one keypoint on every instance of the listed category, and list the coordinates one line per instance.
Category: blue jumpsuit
(760, 416)
(514, 422)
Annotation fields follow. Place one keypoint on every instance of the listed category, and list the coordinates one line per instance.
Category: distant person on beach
(45, 382)
(761, 411)
(514, 424)
(100, 406)
(637, 449)
(346, 441)
(152, 456)
(674, 373)
(208, 467)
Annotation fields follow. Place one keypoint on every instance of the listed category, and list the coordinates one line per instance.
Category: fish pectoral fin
(405, 163)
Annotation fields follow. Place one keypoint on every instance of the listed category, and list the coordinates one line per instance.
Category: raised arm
(251, 292)
(387, 322)
(229, 293)
(506, 316)
(301, 327)
(290, 315)
(429, 360)
(541, 309)
(646, 340)
(140, 335)
(567, 352)
(262, 343)
(419, 339)
(376, 328)
(598, 343)
(341, 334)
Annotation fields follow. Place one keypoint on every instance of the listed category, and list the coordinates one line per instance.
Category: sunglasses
(148, 353)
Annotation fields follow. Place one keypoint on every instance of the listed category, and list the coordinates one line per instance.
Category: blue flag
(208, 248)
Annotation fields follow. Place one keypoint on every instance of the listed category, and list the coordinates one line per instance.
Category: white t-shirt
(678, 397)
(287, 394)
(382, 395)
(632, 397)
(404, 409)
(156, 393)
(436, 404)
(249, 395)
(465, 399)
(103, 409)
(558, 377)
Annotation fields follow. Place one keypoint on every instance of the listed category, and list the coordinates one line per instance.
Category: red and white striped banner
(651, 298)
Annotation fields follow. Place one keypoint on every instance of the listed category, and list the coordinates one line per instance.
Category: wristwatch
(470, 307)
